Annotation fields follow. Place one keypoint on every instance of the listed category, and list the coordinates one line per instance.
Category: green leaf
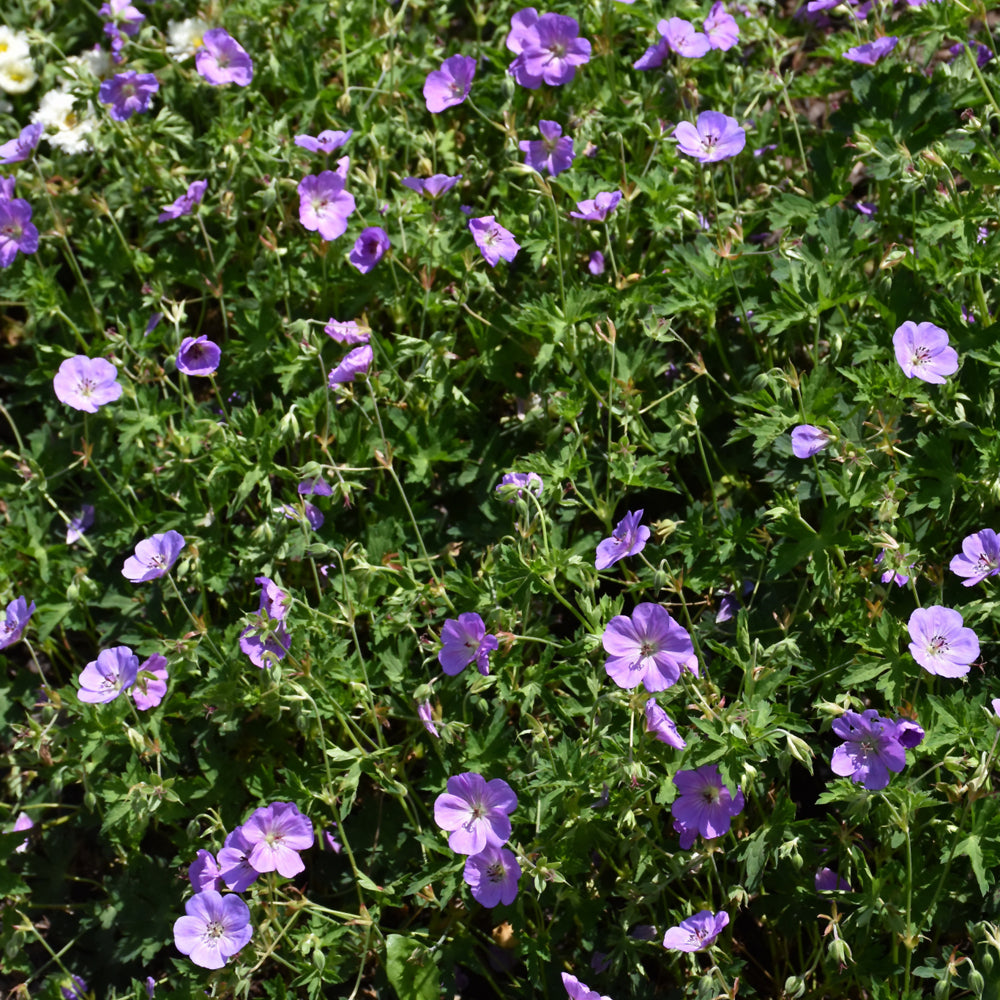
(411, 969)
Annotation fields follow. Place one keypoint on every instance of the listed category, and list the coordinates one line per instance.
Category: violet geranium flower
(513, 484)
(704, 806)
(463, 640)
(15, 620)
(713, 137)
(22, 823)
(198, 356)
(552, 153)
(103, 679)
(17, 232)
(979, 558)
(697, 932)
(870, 53)
(649, 648)
(492, 876)
(324, 205)
(276, 834)
(86, 383)
(355, 363)
(235, 869)
(150, 686)
(347, 332)
(475, 812)
(184, 205)
(268, 641)
(682, 38)
(79, 524)
(221, 59)
(827, 880)
(871, 749)
(203, 872)
(433, 186)
(128, 93)
(153, 557)
(449, 85)
(548, 48)
(808, 440)
(425, 713)
(573, 986)
(369, 249)
(923, 352)
(214, 929)
(941, 644)
(326, 142)
(493, 240)
(22, 147)
(628, 539)
(314, 486)
(662, 726)
(721, 28)
(597, 209)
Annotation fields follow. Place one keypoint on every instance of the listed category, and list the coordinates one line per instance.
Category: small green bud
(794, 987)
(976, 982)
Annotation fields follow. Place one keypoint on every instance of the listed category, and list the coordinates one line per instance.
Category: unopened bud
(799, 749)
(794, 987)
(976, 982)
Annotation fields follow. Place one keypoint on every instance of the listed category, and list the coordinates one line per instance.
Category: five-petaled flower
(16, 618)
(808, 440)
(128, 93)
(548, 48)
(326, 142)
(704, 806)
(475, 812)
(103, 679)
(198, 356)
(871, 749)
(649, 648)
(449, 85)
(185, 204)
(153, 557)
(628, 539)
(369, 248)
(463, 640)
(493, 240)
(17, 232)
(214, 929)
(941, 644)
(714, 137)
(324, 205)
(696, 932)
(86, 383)
(492, 876)
(552, 153)
(923, 352)
(221, 59)
(275, 835)
(979, 558)
(680, 37)
(597, 209)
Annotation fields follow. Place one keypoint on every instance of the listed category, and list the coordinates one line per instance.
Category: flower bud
(976, 982)
(794, 987)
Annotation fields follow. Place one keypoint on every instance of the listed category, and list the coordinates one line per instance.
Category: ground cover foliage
(309, 694)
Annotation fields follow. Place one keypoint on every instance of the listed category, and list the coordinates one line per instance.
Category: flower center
(920, 356)
(938, 645)
(495, 872)
(648, 648)
(86, 387)
(214, 930)
(710, 794)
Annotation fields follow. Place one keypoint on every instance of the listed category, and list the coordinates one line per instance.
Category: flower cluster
(682, 38)
(548, 48)
(268, 641)
(873, 747)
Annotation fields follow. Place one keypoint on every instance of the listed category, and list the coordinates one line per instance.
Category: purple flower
(870, 53)
(17, 232)
(204, 873)
(979, 558)
(573, 986)
(910, 734)
(940, 642)
(151, 683)
(314, 486)
(827, 880)
(426, 715)
(599, 208)
(153, 557)
(552, 153)
(449, 85)
(696, 932)
(729, 605)
(198, 356)
(268, 640)
(548, 48)
(870, 751)
(649, 648)
(357, 362)
(276, 834)
(808, 440)
(221, 59)
(493, 240)
(15, 620)
(369, 249)
(721, 28)
(464, 640)
(128, 93)
(681, 38)
(22, 823)
(347, 332)
(995, 705)
(331, 840)
(324, 205)
(185, 204)
(923, 352)
(595, 263)
(628, 539)
(433, 186)
(21, 148)
(308, 514)
(103, 679)
(76, 990)
(492, 876)
(705, 805)
(235, 869)
(215, 928)
(325, 142)
(714, 137)
(475, 812)
(662, 726)
(893, 574)
(86, 383)
(513, 484)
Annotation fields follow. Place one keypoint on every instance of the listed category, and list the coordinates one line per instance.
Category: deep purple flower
(870, 53)
(324, 205)
(355, 363)
(22, 823)
(276, 833)
(628, 539)
(308, 514)
(649, 648)
(313, 486)
(682, 38)
(12, 627)
(597, 209)
(493, 240)
(979, 558)
(326, 142)
(151, 682)
(103, 679)
(696, 932)
(17, 232)
(573, 986)
(221, 59)
(185, 204)
(153, 557)
(475, 812)
(595, 263)
(808, 440)
(369, 249)
(22, 147)
(983, 54)
(941, 644)
(548, 48)
(433, 186)
(198, 356)
(513, 485)
(75, 990)
(235, 869)
(704, 806)
(870, 751)
(653, 57)
(492, 876)
(426, 715)
(215, 928)
(552, 153)
(923, 352)
(827, 880)
(909, 733)
(268, 640)
(204, 873)
(464, 640)
(80, 523)
(128, 93)
(449, 85)
(662, 726)
(347, 332)
(714, 137)
(86, 383)
(893, 574)
(721, 28)
(729, 605)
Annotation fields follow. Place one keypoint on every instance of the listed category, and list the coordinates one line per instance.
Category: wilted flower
(513, 485)
(552, 153)
(426, 715)
(215, 928)
(704, 806)
(22, 147)
(597, 209)
(649, 648)
(870, 751)
(128, 93)
(714, 137)
(103, 679)
(326, 142)
(433, 186)
(979, 558)
(681, 37)
(941, 644)
(870, 53)
(369, 249)
(324, 205)
(15, 620)
(697, 932)
(221, 59)
(198, 356)
(475, 812)
(356, 362)
(492, 876)
(808, 440)
(923, 352)
(449, 85)
(185, 204)
(464, 640)
(493, 240)
(151, 683)
(628, 539)
(269, 639)
(276, 833)
(86, 383)
(153, 557)
(662, 726)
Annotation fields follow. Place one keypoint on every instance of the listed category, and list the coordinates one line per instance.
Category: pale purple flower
(198, 356)
(475, 812)
(704, 806)
(979, 558)
(17, 232)
(808, 440)
(493, 240)
(870, 751)
(649, 648)
(221, 59)
(22, 147)
(347, 332)
(449, 85)
(552, 153)
(628, 539)
(681, 37)
(721, 28)
(151, 683)
(923, 352)
(597, 209)
(153, 557)
(827, 880)
(697, 932)
(324, 205)
(268, 640)
(86, 383)
(572, 985)
(103, 679)
(870, 53)
(662, 726)
(326, 142)
(595, 263)
(426, 715)
(15, 620)
(214, 929)
(729, 605)
(235, 869)
(433, 186)
(276, 833)
(355, 363)
(22, 823)
(80, 523)
(128, 93)
(995, 705)
(492, 876)
(513, 485)
(204, 872)
(369, 248)
(941, 644)
(331, 841)
(463, 640)
(184, 205)
(522, 29)
(549, 48)
(313, 486)
(714, 137)
(124, 15)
